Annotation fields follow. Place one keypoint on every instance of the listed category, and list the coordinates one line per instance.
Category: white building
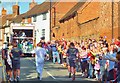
(40, 15)
(42, 26)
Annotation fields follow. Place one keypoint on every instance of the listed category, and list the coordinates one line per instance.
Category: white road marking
(51, 75)
(44, 69)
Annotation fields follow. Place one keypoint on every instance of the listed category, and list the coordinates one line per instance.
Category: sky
(24, 5)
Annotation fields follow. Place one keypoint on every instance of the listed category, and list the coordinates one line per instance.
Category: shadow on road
(46, 80)
(28, 73)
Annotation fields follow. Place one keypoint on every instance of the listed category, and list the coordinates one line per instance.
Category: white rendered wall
(42, 24)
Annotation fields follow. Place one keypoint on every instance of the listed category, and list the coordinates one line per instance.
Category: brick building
(57, 12)
(5, 20)
(90, 20)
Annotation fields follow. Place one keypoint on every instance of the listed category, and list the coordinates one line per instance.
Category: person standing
(39, 57)
(5, 57)
(55, 53)
(15, 56)
(118, 67)
(72, 54)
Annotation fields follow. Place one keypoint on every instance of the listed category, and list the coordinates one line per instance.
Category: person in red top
(117, 42)
(91, 66)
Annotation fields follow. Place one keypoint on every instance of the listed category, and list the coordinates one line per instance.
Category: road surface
(52, 72)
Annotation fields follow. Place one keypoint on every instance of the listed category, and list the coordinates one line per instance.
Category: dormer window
(34, 19)
(26, 20)
(43, 32)
(44, 16)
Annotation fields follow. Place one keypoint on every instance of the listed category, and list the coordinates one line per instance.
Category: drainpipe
(54, 16)
(50, 20)
(77, 19)
(112, 20)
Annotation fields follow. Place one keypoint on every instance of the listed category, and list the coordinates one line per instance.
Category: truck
(23, 33)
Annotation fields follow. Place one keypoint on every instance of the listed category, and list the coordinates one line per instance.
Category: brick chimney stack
(4, 12)
(15, 10)
(32, 4)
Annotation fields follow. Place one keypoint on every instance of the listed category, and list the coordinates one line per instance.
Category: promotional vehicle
(24, 35)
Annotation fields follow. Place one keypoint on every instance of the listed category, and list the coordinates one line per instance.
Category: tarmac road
(52, 72)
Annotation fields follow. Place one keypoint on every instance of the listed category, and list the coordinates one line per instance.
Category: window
(26, 20)
(53, 34)
(0, 33)
(63, 34)
(43, 32)
(44, 16)
(34, 19)
(25, 32)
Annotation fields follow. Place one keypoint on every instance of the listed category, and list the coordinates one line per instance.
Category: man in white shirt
(39, 57)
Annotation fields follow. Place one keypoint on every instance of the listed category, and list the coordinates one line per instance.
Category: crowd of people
(19, 34)
(26, 45)
(93, 58)
(12, 61)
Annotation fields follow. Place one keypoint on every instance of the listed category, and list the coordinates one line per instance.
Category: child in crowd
(97, 69)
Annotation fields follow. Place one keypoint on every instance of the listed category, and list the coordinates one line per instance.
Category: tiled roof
(10, 16)
(4, 18)
(72, 11)
(2, 21)
(38, 9)
(18, 18)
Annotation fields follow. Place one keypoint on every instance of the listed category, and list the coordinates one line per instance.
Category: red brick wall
(29, 20)
(32, 4)
(15, 9)
(4, 12)
(94, 20)
(88, 11)
(71, 28)
(61, 8)
(118, 20)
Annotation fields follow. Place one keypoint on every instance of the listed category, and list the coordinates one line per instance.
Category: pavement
(0, 74)
(51, 72)
(2, 70)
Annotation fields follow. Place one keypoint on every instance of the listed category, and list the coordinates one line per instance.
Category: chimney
(32, 4)
(15, 10)
(4, 12)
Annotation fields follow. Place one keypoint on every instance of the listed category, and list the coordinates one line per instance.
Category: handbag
(9, 61)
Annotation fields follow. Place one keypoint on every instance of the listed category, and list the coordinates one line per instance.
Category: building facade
(42, 26)
(5, 23)
(40, 16)
(90, 20)
(57, 12)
